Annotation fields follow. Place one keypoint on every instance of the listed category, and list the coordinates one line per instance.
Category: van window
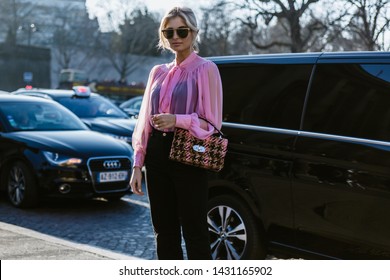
(350, 100)
(65, 77)
(264, 94)
(71, 75)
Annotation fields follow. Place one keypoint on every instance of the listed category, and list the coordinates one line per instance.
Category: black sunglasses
(182, 32)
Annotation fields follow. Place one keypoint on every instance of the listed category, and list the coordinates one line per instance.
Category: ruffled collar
(186, 62)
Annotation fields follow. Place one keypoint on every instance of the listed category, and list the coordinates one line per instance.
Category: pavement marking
(63, 242)
(137, 202)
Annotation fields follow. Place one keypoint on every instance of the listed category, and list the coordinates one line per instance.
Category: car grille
(113, 166)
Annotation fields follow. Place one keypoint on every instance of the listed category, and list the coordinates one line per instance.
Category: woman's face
(177, 43)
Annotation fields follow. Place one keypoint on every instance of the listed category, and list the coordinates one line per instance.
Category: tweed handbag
(208, 153)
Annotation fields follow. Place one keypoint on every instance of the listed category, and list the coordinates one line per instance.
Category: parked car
(47, 151)
(132, 106)
(96, 111)
(307, 172)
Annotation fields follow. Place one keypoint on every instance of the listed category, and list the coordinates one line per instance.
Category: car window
(93, 107)
(133, 103)
(380, 71)
(350, 100)
(265, 95)
(22, 116)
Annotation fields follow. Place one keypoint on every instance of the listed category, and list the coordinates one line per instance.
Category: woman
(176, 95)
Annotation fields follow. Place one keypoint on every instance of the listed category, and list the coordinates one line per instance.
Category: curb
(65, 243)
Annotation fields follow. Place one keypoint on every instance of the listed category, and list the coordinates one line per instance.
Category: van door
(263, 102)
(341, 176)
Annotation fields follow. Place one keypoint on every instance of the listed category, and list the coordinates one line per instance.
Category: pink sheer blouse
(189, 90)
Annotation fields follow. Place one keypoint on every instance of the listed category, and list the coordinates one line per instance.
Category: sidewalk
(17, 243)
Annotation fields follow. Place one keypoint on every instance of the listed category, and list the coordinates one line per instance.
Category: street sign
(28, 77)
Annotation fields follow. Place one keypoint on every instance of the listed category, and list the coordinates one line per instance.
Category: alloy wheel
(228, 234)
(16, 185)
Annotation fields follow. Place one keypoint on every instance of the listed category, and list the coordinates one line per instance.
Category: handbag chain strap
(206, 120)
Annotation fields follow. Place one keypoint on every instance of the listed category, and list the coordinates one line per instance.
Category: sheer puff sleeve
(143, 128)
(209, 86)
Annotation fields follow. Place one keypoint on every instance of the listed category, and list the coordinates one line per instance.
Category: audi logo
(111, 164)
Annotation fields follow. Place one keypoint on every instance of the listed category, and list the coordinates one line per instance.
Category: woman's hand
(164, 121)
(136, 181)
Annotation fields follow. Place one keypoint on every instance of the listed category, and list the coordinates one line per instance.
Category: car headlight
(61, 160)
(120, 137)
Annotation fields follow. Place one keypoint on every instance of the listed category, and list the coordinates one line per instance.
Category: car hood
(123, 127)
(84, 143)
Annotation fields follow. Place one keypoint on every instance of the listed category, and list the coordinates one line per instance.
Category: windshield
(23, 116)
(92, 107)
(133, 103)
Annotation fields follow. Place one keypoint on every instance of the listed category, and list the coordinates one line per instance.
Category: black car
(96, 111)
(46, 150)
(132, 106)
(308, 166)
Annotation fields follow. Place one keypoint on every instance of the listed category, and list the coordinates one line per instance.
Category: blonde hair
(190, 20)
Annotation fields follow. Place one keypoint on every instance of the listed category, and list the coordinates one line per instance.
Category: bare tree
(216, 30)
(369, 21)
(14, 14)
(295, 17)
(74, 37)
(302, 25)
(136, 38)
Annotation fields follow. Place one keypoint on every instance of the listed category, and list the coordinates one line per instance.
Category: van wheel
(234, 233)
(21, 186)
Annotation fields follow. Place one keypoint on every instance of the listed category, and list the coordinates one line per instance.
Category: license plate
(112, 176)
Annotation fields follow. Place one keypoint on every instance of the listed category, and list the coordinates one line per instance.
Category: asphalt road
(123, 227)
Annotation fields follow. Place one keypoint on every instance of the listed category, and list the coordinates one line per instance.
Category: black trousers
(178, 202)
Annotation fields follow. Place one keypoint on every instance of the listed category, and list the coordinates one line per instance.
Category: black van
(308, 166)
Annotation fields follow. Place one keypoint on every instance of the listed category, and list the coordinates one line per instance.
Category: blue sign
(28, 77)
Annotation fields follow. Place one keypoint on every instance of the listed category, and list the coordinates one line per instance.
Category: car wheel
(234, 233)
(21, 186)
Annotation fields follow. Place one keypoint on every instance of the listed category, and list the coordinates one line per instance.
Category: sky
(164, 6)
(160, 6)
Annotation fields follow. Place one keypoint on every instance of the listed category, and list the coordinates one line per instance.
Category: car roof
(301, 58)
(24, 98)
(52, 92)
